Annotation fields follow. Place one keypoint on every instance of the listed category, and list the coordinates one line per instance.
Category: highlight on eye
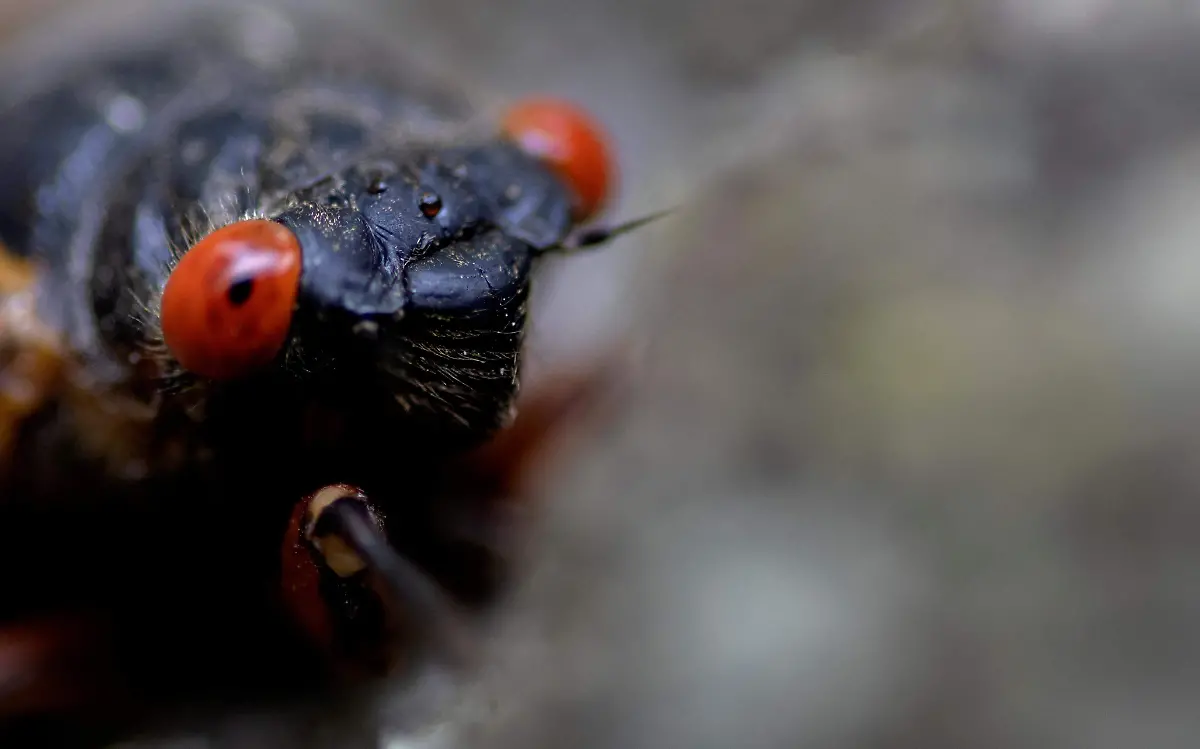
(227, 306)
(571, 142)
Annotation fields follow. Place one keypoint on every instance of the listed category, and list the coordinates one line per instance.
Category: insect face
(403, 277)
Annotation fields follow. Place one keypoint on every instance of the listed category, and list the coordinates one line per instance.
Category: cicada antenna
(598, 235)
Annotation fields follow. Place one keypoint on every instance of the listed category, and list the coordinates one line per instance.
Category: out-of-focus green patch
(950, 385)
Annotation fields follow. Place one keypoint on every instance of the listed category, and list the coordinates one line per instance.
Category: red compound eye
(227, 306)
(571, 142)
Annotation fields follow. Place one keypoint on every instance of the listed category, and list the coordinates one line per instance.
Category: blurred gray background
(907, 452)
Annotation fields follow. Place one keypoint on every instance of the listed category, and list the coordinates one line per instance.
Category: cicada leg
(355, 596)
(367, 605)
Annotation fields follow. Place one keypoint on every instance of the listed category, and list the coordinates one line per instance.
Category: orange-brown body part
(31, 356)
(227, 305)
(571, 142)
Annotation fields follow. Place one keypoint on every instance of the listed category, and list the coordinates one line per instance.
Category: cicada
(263, 301)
